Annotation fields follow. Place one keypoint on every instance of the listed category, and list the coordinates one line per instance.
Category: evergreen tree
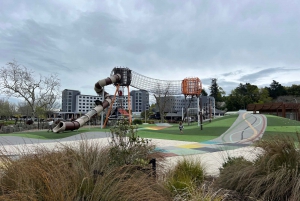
(216, 91)
(203, 92)
(276, 89)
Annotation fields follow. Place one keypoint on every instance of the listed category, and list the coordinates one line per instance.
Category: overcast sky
(83, 40)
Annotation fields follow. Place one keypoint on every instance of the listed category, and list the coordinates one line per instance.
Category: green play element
(281, 126)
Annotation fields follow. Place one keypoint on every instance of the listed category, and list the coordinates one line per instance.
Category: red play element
(120, 93)
(191, 86)
(123, 112)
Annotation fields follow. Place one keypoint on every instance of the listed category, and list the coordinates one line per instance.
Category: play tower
(192, 87)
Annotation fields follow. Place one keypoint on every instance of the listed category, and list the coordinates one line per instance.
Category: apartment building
(176, 103)
(75, 102)
(140, 100)
(69, 100)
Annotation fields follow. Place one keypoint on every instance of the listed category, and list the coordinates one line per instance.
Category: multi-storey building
(75, 102)
(85, 103)
(69, 100)
(140, 100)
(177, 103)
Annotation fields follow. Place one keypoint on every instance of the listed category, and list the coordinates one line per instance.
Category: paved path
(246, 129)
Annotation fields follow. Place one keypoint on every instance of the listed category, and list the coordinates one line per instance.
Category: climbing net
(156, 86)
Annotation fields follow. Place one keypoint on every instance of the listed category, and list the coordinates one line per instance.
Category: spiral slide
(74, 125)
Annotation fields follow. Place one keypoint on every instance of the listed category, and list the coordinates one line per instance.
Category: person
(181, 127)
(50, 123)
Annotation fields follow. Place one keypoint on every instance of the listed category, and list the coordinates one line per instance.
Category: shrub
(185, 177)
(274, 175)
(29, 122)
(75, 173)
(137, 121)
(126, 147)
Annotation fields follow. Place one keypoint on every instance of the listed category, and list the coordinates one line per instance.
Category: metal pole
(201, 113)
(209, 100)
(187, 116)
(182, 114)
(214, 108)
(198, 110)
(102, 112)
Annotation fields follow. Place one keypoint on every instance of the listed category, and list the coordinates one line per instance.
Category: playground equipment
(74, 125)
(192, 87)
(124, 77)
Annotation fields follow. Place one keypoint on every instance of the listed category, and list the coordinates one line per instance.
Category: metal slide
(74, 125)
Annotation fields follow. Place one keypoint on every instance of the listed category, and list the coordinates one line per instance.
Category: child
(50, 123)
(181, 127)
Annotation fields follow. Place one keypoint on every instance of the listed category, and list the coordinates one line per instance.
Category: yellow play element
(191, 146)
(157, 127)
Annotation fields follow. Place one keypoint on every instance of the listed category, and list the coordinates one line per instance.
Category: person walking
(181, 127)
(50, 123)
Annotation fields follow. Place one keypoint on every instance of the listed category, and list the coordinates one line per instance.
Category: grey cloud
(152, 36)
(252, 78)
(231, 73)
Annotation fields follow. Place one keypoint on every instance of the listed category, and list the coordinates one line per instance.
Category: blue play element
(209, 142)
(160, 150)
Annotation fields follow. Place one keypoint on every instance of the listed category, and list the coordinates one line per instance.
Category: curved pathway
(244, 131)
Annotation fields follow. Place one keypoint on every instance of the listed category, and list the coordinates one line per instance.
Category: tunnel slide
(74, 125)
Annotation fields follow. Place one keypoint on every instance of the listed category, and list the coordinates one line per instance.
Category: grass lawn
(43, 134)
(281, 126)
(192, 132)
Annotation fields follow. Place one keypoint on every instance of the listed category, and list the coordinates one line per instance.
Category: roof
(273, 106)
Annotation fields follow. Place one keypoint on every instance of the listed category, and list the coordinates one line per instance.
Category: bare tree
(161, 96)
(20, 82)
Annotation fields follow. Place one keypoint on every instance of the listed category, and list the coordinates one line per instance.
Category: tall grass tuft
(274, 175)
(185, 175)
(85, 171)
(75, 173)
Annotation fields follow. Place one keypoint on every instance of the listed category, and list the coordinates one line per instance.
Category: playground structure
(191, 87)
(124, 77)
